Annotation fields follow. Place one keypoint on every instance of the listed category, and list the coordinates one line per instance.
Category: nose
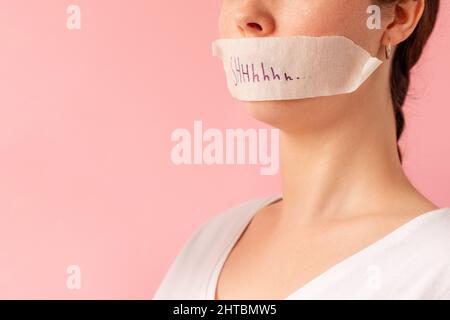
(253, 20)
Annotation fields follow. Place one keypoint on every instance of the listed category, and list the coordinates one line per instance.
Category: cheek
(227, 25)
(321, 16)
(328, 17)
(312, 18)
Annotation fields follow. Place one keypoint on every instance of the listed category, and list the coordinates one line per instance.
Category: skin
(342, 182)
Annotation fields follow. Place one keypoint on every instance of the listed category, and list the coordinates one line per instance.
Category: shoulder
(428, 237)
(220, 227)
(435, 233)
(189, 272)
(428, 254)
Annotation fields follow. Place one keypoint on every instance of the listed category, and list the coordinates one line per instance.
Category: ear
(406, 15)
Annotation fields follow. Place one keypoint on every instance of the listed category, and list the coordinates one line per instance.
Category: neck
(345, 167)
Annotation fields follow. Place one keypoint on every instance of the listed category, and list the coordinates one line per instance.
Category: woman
(349, 224)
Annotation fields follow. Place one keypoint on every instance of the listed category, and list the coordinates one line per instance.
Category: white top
(411, 262)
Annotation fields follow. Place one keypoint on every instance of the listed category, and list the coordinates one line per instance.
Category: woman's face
(277, 18)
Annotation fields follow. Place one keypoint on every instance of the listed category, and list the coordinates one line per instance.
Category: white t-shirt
(411, 262)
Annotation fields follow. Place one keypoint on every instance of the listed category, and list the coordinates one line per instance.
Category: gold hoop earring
(388, 51)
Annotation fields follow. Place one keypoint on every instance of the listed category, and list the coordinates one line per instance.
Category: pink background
(85, 124)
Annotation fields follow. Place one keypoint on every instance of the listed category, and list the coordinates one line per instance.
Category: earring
(388, 51)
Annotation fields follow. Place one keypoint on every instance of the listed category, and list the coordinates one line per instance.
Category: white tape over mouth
(294, 67)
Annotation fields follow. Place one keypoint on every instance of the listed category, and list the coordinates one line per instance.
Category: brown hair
(405, 58)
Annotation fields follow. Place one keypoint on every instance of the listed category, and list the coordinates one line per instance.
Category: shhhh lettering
(244, 73)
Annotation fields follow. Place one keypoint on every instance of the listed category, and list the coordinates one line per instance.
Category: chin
(280, 114)
(269, 112)
(294, 115)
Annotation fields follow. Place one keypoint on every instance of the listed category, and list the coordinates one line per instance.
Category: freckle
(298, 78)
